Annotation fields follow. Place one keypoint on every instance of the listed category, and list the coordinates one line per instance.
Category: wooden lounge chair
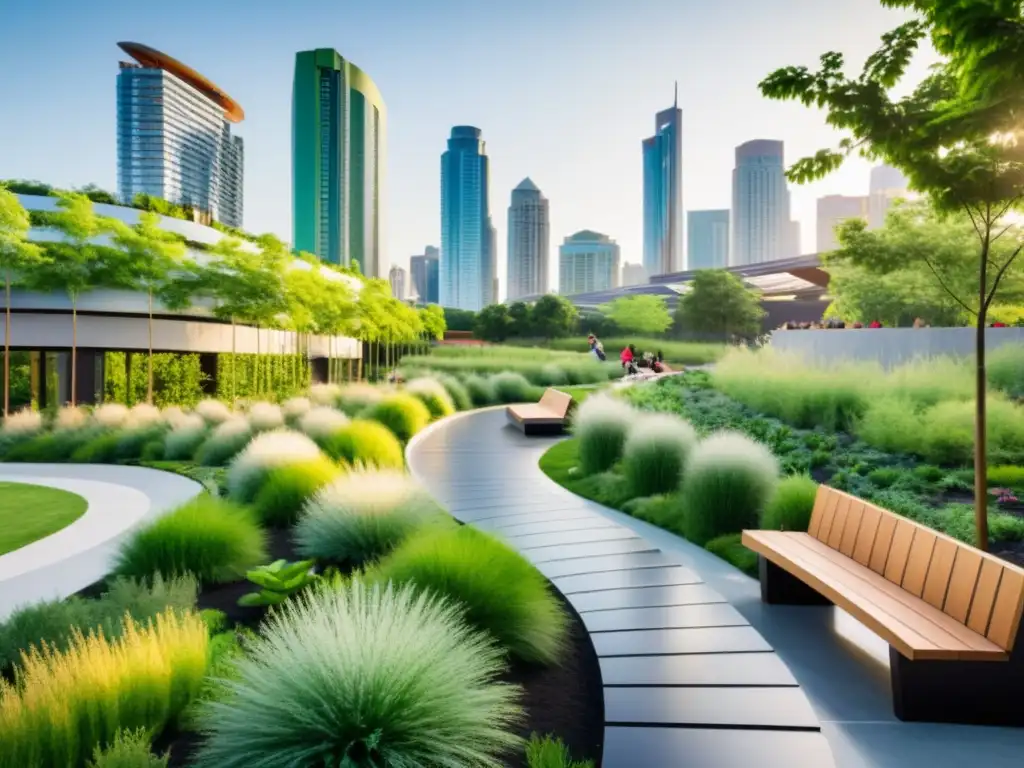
(548, 417)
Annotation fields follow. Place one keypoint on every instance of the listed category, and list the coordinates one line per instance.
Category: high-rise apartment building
(633, 274)
(663, 193)
(761, 226)
(528, 241)
(174, 137)
(833, 210)
(587, 261)
(339, 131)
(396, 276)
(707, 239)
(887, 184)
(468, 253)
(423, 270)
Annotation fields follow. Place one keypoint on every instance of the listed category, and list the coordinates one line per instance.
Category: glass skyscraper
(174, 137)
(528, 241)
(587, 261)
(423, 269)
(339, 127)
(467, 252)
(707, 239)
(761, 228)
(663, 193)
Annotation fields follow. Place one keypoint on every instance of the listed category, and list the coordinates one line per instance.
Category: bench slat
(896, 565)
(919, 560)
(827, 515)
(966, 568)
(835, 533)
(866, 534)
(883, 543)
(854, 519)
(821, 500)
(937, 583)
(984, 596)
(1006, 614)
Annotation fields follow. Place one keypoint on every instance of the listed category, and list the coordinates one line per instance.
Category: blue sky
(564, 90)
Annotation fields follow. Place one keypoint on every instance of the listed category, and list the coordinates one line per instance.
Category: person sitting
(875, 324)
(627, 359)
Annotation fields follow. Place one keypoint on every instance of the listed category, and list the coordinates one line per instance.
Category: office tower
(339, 132)
(467, 252)
(707, 239)
(833, 210)
(663, 193)
(492, 259)
(587, 261)
(633, 274)
(424, 274)
(397, 279)
(528, 241)
(887, 184)
(761, 226)
(174, 137)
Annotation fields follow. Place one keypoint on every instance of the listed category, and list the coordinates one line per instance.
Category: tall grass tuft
(225, 442)
(213, 411)
(267, 451)
(481, 390)
(365, 442)
(363, 515)
(357, 397)
(364, 676)
(142, 415)
(23, 422)
(551, 752)
(110, 415)
(322, 421)
(324, 394)
(511, 387)
(729, 480)
(286, 489)
(184, 440)
(294, 408)
(457, 391)
(790, 507)
(1005, 366)
(129, 749)
(655, 453)
(432, 394)
(601, 425)
(70, 418)
(500, 591)
(63, 705)
(265, 416)
(213, 539)
(403, 414)
(173, 416)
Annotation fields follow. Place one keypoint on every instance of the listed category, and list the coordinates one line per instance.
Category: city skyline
(594, 179)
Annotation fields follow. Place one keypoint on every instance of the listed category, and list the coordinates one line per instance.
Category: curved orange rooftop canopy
(152, 58)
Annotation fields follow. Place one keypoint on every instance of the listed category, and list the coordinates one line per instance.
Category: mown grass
(32, 512)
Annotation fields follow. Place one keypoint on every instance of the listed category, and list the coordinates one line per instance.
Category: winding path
(688, 682)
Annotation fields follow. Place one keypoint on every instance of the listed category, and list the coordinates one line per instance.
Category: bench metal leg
(966, 692)
(779, 587)
(543, 429)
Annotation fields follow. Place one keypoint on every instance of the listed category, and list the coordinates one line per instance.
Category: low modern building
(587, 261)
(423, 271)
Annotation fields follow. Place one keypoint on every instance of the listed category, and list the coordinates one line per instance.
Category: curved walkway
(688, 682)
(119, 499)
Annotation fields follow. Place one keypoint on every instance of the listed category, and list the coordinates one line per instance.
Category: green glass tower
(338, 139)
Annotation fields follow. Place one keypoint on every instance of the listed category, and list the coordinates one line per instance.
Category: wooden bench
(949, 612)
(548, 417)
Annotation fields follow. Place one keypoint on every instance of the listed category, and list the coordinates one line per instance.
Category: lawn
(32, 512)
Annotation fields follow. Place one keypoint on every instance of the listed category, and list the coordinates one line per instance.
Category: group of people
(630, 360)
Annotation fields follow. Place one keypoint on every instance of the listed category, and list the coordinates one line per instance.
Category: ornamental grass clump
(322, 421)
(364, 676)
(294, 408)
(23, 423)
(132, 440)
(110, 415)
(432, 394)
(601, 425)
(265, 416)
(510, 387)
(211, 538)
(129, 749)
(457, 391)
(173, 416)
(213, 411)
(366, 442)
(363, 515)
(500, 591)
(286, 489)
(404, 415)
(480, 389)
(655, 453)
(141, 416)
(790, 507)
(63, 705)
(358, 396)
(70, 418)
(268, 450)
(729, 481)
(184, 440)
(324, 394)
(225, 442)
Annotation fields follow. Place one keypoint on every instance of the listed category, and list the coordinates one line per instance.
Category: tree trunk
(980, 404)
(7, 343)
(74, 350)
(256, 365)
(149, 386)
(234, 360)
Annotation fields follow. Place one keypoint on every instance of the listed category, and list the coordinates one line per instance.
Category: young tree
(16, 255)
(553, 317)
(643, 314)
(717, 302)
(492, 323)
(957, 136)
(432, 318)
(519, 319)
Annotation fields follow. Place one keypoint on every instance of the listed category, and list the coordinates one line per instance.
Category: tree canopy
(641, 314)
(718, 303)
(493, 323)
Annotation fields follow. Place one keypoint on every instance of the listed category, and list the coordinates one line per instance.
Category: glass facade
(467, 250)
(174, 142)
(587, 261)
(528, 241)
(423, 270)
(707, 239)
(338, 138)
(663, 194)
(761, 227)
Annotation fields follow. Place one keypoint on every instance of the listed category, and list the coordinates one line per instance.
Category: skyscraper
(832, 211)
(424, 274)
(707, 239)
(587, 261)
(339, 129)
(397, 279)
(528, 241)
(761, 227)
(174, 136)
(887, 184)
(663, 193)
(467, 248)
(633, 274)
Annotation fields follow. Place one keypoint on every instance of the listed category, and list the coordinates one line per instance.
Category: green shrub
(225, 442)
(551, 752)
(884, 477)
(730, 548)
(268, 450)
(511, 387)
(50, 447)
(102, 449)
(457, 391)
(404, 415)
(655, 453)
(211, 538)
(1007, 475)
(184, 440)
(481, 390)
(363, 515)
(928, 473)
(55, 621)
(130, 749)
(432, 394)
(601, 425)
(278, 581)
(287, 488)
(501, 592)
(1005, 368)
(363, 677)
(791, 505)
(132, 441)
(552, 376)
(729, 481)
(365, 442)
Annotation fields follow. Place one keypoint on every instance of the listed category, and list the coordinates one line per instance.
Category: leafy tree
(433, 319)
(458, 319)
(98, 195)
(493, 323)
(16, 255)
(553, 316)
(956, 136)
(521, 323)
(642, 314)
(718, 302)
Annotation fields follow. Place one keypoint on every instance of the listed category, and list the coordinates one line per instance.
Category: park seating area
(949, 612)
(548, 417)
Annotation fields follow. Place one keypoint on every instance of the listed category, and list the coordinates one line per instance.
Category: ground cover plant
(51, 510)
